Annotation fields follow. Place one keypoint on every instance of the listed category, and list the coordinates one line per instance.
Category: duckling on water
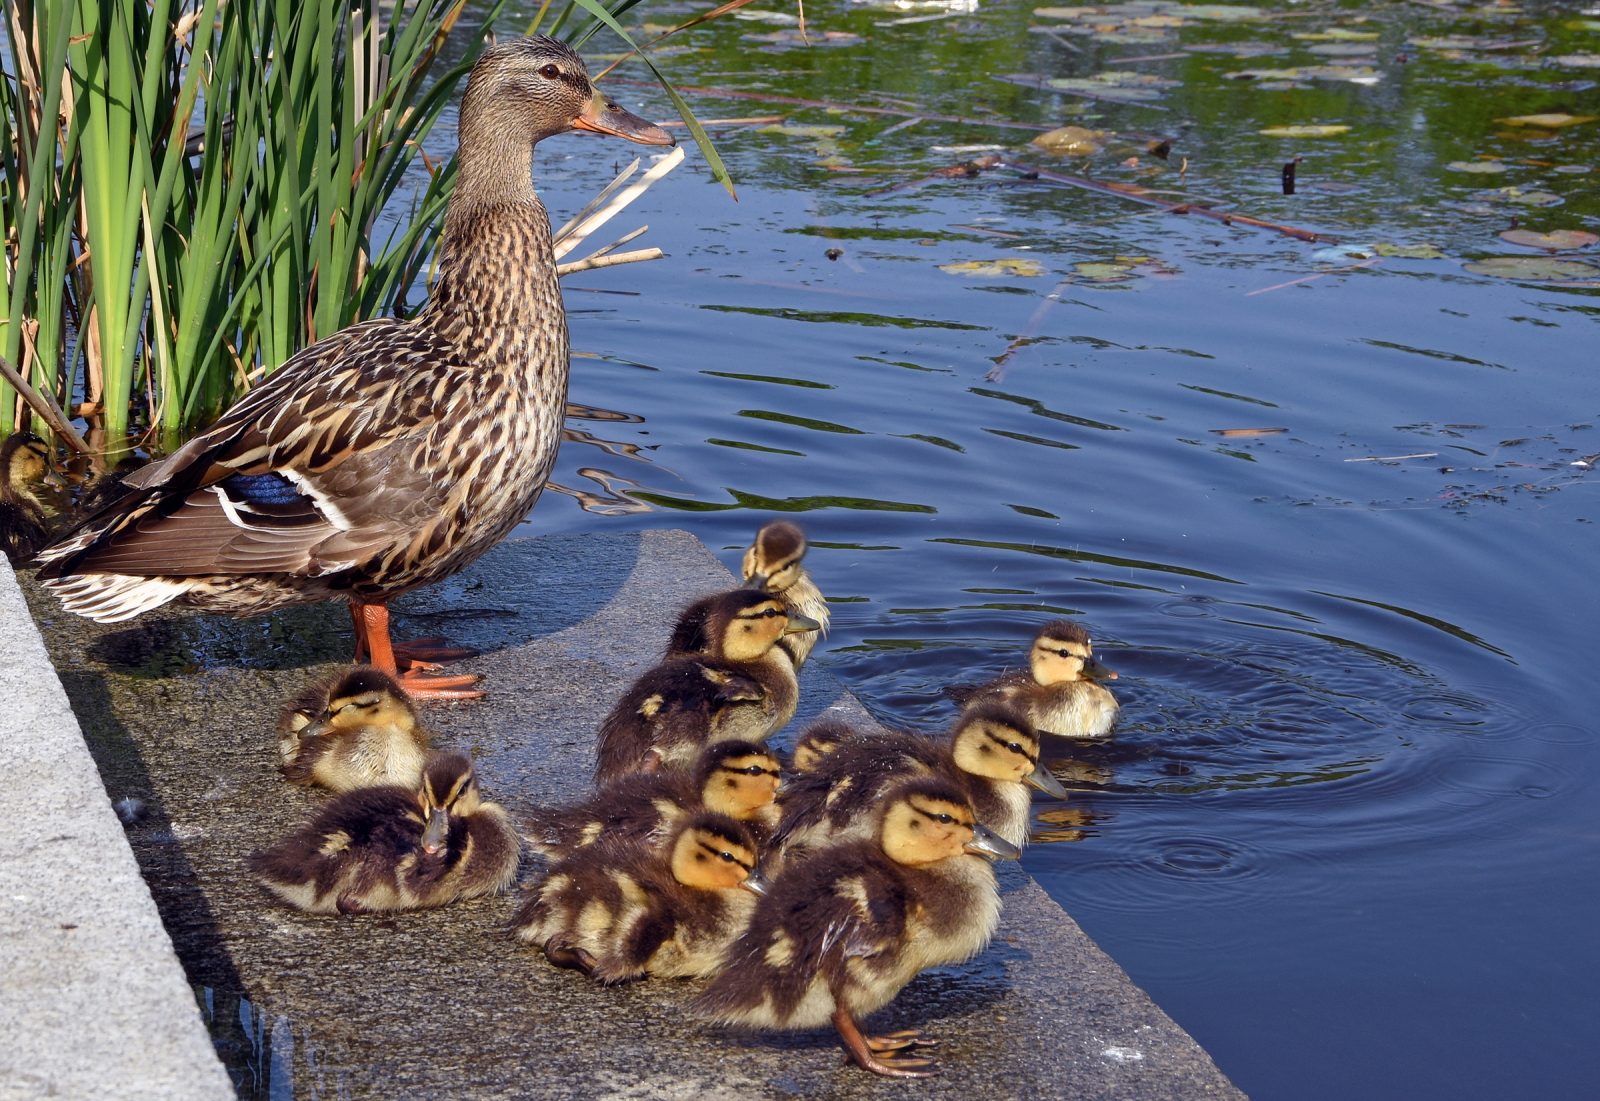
(622, 908)
(742, 686)
(841, 930)
(355, 730)
(1059, 692)
(773, 564)
(24, 523)
(396, 848)
(735, 778)
(393, 453)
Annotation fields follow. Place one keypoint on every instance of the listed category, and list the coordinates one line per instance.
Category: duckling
(622, 909)
(817, 741)
(24, 526)
(843, 928)
(992, 754)
(742, 687)
(1058, 692)
(735, 778)
(772, 564)
(356, 730)
(396, 848)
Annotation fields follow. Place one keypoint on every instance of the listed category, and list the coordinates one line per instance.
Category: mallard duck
(842, 929)
(735, 778)
(622, 908)
(396, 848)
(773, 564)
(742, 686)
(817, 741)
(356, 730)
(1057, 692)
(393, 453)
(992, 754)
(24, 521)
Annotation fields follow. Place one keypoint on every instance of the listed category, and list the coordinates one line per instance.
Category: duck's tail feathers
(115, 597)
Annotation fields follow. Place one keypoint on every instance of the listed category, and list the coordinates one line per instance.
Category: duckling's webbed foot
(350, 904)
(570, 956)
(889, 1062)
(899, 1041)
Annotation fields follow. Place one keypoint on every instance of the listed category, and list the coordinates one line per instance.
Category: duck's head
(817, 741)
(449, 790)
(737, 778)
(528, 89)
(772, 562)
(997, 742)
(1062, 653)
(744, 624)
(712, 852)
(927, 820)
(24, 462)
(363, 697)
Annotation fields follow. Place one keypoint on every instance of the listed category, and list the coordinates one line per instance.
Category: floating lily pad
(1308, 130)
(1554, 120)
(1559, 240)
(992, 269)
(1482, 168)
(1522, 197)
(1100, 271)
(1336, 34)
(1071, 141)
(1224, 13)
(1344, 49)
(1344, 254)
(1123, 85)
(1410, 252)
(1067, 13)
(1542, 269)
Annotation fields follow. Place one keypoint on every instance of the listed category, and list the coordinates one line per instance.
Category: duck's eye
(727, 858)
(1015, 747)
(550, 72)
(945, 819)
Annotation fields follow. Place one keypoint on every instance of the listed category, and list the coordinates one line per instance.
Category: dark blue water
(1348, 833)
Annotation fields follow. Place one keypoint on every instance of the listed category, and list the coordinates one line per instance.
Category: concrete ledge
(93, 1002)
(178, 710)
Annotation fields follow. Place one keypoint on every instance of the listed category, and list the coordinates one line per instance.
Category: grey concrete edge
(93, 1000)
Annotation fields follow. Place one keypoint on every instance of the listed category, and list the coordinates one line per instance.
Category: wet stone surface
(179, 710)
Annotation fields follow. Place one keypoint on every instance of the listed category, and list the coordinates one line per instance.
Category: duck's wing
(311, 473)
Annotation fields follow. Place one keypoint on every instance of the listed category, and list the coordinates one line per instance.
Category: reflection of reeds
(194, 199)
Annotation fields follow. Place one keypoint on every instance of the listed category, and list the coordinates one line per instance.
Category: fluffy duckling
(735, 778)
(24, 526)
(1057, 691)
(742, 687)
(773, 564)
(396, 848)
(623, 909)
(992, 754)
(842, 929)
(354, 731)
(817, 741)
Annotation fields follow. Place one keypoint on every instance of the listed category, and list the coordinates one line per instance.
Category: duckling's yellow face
(920, 829)
(995, 750)
(29, 464)
(1057, 662)
(751, 632)
(741, 787)
(708, 861)
(377, 707)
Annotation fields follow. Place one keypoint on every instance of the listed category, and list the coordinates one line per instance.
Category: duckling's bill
(438, 831)
(985, 842)
(1045, 780)
(799, 623)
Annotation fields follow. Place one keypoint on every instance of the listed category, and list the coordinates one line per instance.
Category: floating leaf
(1071, 141)
(1555, 120)
(1344, 49)
(1344, 254)
(790, 130)
(1066, 13)
(1483, 168)
(1115, 85)
(1098, 271)
(1525, 198)
(1305, 131)
(1336, 34)
(1224, 13)
(1543, 269)
(1411, 252)
(1355, 74)
(990, 269)
(1559, 240)
(1578, 61)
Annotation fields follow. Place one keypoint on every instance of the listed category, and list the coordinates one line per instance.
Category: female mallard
(24, 462)
(839, 931)
(1061, 692)
(392, 453)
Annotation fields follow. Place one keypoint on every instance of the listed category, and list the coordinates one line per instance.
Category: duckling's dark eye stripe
(765, 613)
(720, 853)
(1007, 743)
(750, 770)
(936, 815)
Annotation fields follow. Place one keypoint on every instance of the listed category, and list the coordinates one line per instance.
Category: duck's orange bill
(604, 117)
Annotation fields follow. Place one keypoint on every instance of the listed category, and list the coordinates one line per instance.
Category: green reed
(189, 188)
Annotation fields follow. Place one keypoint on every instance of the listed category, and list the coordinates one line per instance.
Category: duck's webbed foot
(889, 1060)
(570, 956)
(899, 1041)
(418, 659)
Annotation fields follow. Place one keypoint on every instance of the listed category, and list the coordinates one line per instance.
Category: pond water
(1347, 832)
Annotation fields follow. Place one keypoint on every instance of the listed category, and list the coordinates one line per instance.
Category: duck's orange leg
(371, 620)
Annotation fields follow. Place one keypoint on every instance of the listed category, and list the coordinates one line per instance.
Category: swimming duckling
(773, 564)
(843, 928)
(736, 778)
(356, 730)
(742, 687)
(817, 741)
(1057, 692)
(622, 908)
(24, 526)
(992, 753)
(396, 848)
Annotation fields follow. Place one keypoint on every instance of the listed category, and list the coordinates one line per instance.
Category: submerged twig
(45, 405)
